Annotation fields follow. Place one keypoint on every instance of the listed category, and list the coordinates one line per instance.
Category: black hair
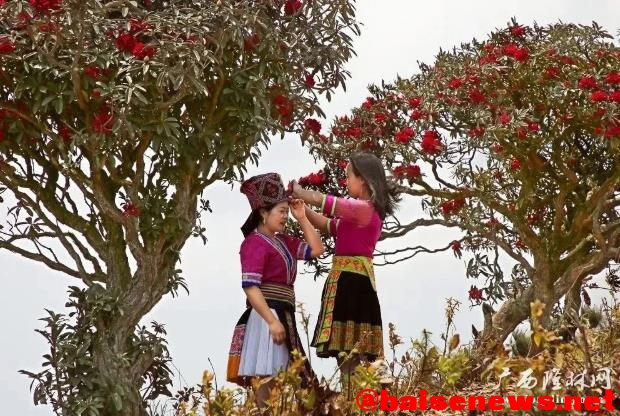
(253, 220)
(383, 194)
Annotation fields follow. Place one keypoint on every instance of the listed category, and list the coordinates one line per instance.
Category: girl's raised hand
(298, 208)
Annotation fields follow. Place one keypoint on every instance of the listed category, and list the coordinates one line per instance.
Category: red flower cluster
(515, 164)
(309, 80)
(476, 97)
(291, 7)
(284, 107)
(314, 179)
(431, 142)
(452, 206)
(65, 133)
(475, 293)
(505, 118)
(587, 82)
(128, 42)
(130, 210)
(517, 30)
(93, 72)
(404, 136)
(6, 45)
(517, 52)
(137, 25)
(456, 247)
(418, 114)
(251, 42)
(414, 102)
(409, 172)
(613, 78)
(103, 121)
(313, 125)
(45, 6)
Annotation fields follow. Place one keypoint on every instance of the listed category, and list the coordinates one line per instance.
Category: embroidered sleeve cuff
(251, 279)
(307, 253)
(302, 251)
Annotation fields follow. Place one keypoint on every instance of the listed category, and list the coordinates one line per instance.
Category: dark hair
(383, 194)
(253, 220)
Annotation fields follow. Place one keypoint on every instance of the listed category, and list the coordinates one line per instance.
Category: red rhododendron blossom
(455, 83)
(615, 97)
(613, 78)
(103, 121)
(517, 30)
(456, 247)
(452, 206)
(522, 133)
(476, 132)
(598, 96)
(418, 114)
(45, 6)
(316, 179)
(431, 142)
(515, 164)
(6, 45)
(368, 103)
(313, 125)
(475, 293)
(497, 148)
(309, 80)
(552, 72)
(92, 72)
(517, 52)
(251, 42)
(415, 102)
(410, 171)
(488, 59)
(292, 6)
(65, 133)
(567, 60)
(283, 105)
(130, 210)
(380, 117)
(505, 118)
(587, 82)
(141, 51)
(533, 126)
(476, 96)
(137, 25)
(126, 42)
(404, 136)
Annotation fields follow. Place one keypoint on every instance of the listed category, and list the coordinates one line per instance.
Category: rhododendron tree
(114, 117)
(514, 142)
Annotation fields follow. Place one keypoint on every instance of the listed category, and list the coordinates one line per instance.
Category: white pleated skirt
(260, 356)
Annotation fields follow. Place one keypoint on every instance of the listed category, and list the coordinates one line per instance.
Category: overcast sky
(395, 35)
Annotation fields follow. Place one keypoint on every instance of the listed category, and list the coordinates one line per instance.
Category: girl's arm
(258, 302)
(354, 210)
(312, 238)
(317, 220)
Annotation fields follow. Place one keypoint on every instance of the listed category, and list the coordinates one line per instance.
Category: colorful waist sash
(356, 264)
(278, 293)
